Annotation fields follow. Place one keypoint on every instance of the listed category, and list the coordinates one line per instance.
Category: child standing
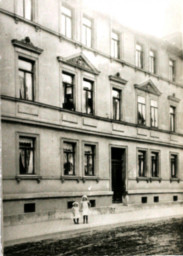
(85, 204)
(75, 212)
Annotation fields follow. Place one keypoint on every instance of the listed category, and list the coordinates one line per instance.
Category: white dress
(85, 207)
(75, 212)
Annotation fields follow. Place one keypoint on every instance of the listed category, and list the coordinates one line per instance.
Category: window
(154, 113)
(25, 8)
(154, 164)
(152, 61)
(89, 156)
(139, 56)
(87, 32)
(116, 103)
(141, 110)
(115, 45)
(29, 207)
(68, 84)
(69, 158)
(142, 163)
(172, 118)
(173, 166)
(26, 155)
(26, 79)
(66, 22)
(172, 70)
(88, 96)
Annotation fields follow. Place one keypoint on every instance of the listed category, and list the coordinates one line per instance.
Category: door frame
(110, 163)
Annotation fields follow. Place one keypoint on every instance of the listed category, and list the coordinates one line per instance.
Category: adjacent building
(88, 107)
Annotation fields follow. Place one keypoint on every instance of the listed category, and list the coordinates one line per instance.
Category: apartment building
(88, 107)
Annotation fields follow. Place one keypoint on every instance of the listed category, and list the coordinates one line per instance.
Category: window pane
(115, 93)
(141, 99)
(68, 147)
(21, 84)
(87, 22)
(154, 103)
(88, 37)
(25, 65)
(63, 25)
(115, 36)
(26, 156)
(20, 7)
(87, 85)
(28, 86)
(68, 27)
(88, 149)
(66, 11)
(67, 78)
(28, 9)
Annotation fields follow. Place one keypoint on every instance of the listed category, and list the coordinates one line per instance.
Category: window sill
(174, 179)
(151, 179)
(142, 179)
(28, 177)
(63, 178)
(90, 178)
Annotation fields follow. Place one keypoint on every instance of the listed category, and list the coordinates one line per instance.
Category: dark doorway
(118, 173)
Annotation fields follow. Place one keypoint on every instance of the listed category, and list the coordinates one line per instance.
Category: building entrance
(118, 173)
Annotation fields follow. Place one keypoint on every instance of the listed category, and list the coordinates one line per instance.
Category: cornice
(27, 45)
(118, 79)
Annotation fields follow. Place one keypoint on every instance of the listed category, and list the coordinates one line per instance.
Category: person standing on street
(85, 204)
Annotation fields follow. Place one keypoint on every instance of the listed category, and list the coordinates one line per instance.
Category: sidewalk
(65, 228)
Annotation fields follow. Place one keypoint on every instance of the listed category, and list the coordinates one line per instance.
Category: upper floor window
(154, 164)
(154, 113)
(26, 155)
(116, 103)
(25, 9)
(69, 158)
(26, 79)
(172, 70)
(66, 22)
(87, 32)
(152, 62)
(172, 118)
(89, 156)
(115, 45)
(88, 96)
(68, 88)
(139, 56)
(142, 163)
(173, 166)
(141, 110)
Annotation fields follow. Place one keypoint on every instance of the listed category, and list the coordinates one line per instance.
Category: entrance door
(118, 173)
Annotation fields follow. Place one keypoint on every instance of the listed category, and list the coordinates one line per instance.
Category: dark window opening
(31, 207)
(68, 87)
(144, 200)
(154, 164)
(173, 166)
(69, 204)
(172, 119)
(26, 79)
(141, 111)
(69, 158)
(175, 198)
(88, 96)
(89, 151)
(116, 99)
(142, 163)
(92, 203)
(26, 155)
(156, 199)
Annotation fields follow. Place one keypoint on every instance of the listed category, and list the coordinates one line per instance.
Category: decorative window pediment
(173, 98)
(148, 87)
(118, 79)
(81, 62)
(27, 45)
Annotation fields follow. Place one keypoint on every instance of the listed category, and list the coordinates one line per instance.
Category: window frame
(172, 129)
(117, 42)
(157, 152)
(172, 69)
(96, 159)
(36, 138)
(76, 157)
(156, 109)
(145, 176)
(92, 94)
(119, 100)
(145, 106)
(32, 18)
(64, 85)
(139, 58)
(152, 68)
(176, 177)
(85, 28)
(65, 17)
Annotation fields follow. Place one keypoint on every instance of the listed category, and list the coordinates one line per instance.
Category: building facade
(88, 107)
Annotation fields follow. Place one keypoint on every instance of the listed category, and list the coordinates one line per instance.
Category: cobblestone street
(162, 238)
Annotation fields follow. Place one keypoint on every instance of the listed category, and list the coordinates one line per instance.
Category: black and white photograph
(91, 146)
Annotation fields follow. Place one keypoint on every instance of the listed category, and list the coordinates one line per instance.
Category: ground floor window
(69, 158)
(154, 164)
(142, 163)
(26, 155)
(173, 166)
(89, 156)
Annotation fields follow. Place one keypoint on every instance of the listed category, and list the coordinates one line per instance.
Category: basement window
(156, 199)
(175, 198)
(69, 204)
(144, 200)
(31, 207)
(92, 203)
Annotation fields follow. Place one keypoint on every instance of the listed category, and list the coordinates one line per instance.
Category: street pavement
(67, 229)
